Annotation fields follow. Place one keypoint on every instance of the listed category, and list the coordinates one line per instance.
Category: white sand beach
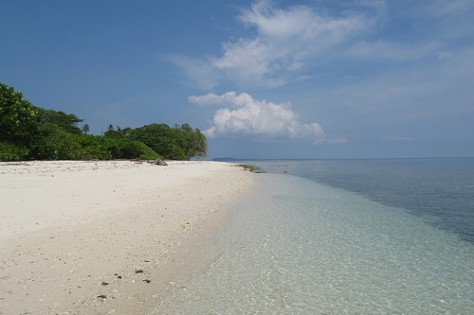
(86, 237)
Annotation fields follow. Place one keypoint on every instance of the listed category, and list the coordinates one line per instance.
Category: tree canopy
(19, 119)
(30, 132)
(67, 122)
(175, 143)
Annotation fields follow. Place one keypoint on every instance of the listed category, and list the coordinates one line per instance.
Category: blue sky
(262, 79)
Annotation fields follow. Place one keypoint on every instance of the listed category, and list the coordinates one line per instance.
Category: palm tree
(85, 128)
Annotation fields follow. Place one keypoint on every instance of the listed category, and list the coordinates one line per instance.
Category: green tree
(193, 142)
(178, 143)
(29, 132)
(67, 122)
(158, 137)
(125, 148)
(18, 117)
(54, 143)
(119, 133)
(85, 129)
(199, 145)
(93, 147)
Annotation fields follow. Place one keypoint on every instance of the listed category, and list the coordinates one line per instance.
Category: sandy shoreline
(104, 237)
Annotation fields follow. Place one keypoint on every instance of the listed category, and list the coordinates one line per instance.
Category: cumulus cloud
(250, 117)
(229, 98)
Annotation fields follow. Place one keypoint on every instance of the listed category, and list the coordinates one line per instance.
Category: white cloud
(228, 98)
(285, 41)
(285, 44)
(251, 117)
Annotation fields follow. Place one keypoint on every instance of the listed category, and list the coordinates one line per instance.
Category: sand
(92, 237)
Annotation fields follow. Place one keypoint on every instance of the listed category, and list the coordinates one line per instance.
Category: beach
(90, 237)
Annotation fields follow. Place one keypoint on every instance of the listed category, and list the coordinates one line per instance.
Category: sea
(367, 236)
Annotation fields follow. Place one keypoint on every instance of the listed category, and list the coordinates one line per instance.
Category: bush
(147, 153)
(53, 143)
(12, 152)
(175, 143)
(94, 147)
(132, 149)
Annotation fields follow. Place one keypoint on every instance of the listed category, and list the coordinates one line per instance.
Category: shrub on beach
(176, 143)
(93, 147)
(56, 144)
(131, 149)
(12, 152)
(53, 143)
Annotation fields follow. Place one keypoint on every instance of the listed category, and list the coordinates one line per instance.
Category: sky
(263, 79)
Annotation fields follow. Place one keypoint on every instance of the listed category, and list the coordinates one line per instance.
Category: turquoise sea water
(301, 246)
(440, 190)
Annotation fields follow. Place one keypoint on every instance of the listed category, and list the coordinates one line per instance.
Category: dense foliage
(18, 117)
(67, 122)
(176, 143)
(30, 132)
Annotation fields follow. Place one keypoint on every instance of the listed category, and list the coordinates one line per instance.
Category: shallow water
(440, 190)
(299, 247)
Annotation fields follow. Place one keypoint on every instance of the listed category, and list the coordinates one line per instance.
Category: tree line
(29, 132)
